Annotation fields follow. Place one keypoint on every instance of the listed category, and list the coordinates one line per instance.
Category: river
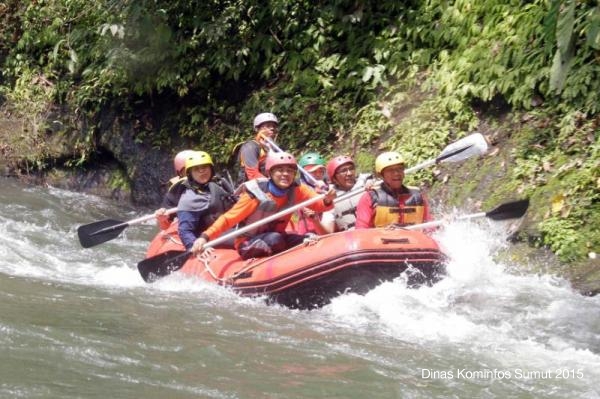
(81, 323)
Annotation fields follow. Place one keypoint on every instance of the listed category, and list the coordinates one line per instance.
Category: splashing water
(485, 330)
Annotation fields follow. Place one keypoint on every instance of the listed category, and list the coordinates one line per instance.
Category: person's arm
(328, 221)
(162, 219)
(304, 192)
(188, 220)
(240, 211)
(319, 228)
(427, 215)
(170, 200)
(253, 173)
(364, 212)
(362, 179)
(249, 158)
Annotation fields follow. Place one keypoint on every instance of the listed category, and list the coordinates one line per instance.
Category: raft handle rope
(204, 257)
(311, 239)
(171, 238)
(243, 273)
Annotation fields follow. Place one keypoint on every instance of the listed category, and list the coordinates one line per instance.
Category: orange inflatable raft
(311, 274)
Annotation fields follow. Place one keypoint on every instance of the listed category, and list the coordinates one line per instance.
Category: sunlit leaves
(565, 47)
(116, 30)
(593, 31)
(374, 74)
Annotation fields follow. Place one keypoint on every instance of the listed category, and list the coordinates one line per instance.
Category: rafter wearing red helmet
(341, 170)
(260, 199)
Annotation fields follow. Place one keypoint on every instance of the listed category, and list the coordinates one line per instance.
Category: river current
(81, 323)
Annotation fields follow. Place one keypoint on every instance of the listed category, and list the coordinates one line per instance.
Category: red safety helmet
(336, 162)
(279, 158)
(179, 161)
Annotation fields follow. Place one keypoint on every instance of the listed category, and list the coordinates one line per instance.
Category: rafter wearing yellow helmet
(392, 202)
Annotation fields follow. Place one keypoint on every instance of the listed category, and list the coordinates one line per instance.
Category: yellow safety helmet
(197, 158)
(388, 159)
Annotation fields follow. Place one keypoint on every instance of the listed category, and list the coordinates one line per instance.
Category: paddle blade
(162, 265)
(473, 145)
(509, 210)
(98, 232)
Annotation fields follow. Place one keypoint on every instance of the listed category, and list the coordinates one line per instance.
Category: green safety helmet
(312, 159)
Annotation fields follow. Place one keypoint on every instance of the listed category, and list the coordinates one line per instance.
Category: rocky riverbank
(115, 165)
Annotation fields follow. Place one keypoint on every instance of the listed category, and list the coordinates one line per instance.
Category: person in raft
(175, 190)
(392, 202)
(253, 153)
(206, 197)
(341, 170)
(262, 198)
(306, 220)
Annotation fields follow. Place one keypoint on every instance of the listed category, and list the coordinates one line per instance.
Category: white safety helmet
(264, 117)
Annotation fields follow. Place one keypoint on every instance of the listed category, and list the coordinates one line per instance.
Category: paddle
(164, 264)
(508, 210)
(105, 230)
(472, 145)
(465, 148)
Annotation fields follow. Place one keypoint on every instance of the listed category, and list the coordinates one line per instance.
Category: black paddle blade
(509, 210)
(98, 232)
(162, 265)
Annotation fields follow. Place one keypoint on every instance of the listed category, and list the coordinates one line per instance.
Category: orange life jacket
(405, 208)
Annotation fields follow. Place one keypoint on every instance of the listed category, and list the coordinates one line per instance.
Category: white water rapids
(80, 322)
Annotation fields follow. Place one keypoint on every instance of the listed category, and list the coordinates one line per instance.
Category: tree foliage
(335, 71)
(211, 56)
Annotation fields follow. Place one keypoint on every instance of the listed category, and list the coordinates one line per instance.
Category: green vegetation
(345, 76)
